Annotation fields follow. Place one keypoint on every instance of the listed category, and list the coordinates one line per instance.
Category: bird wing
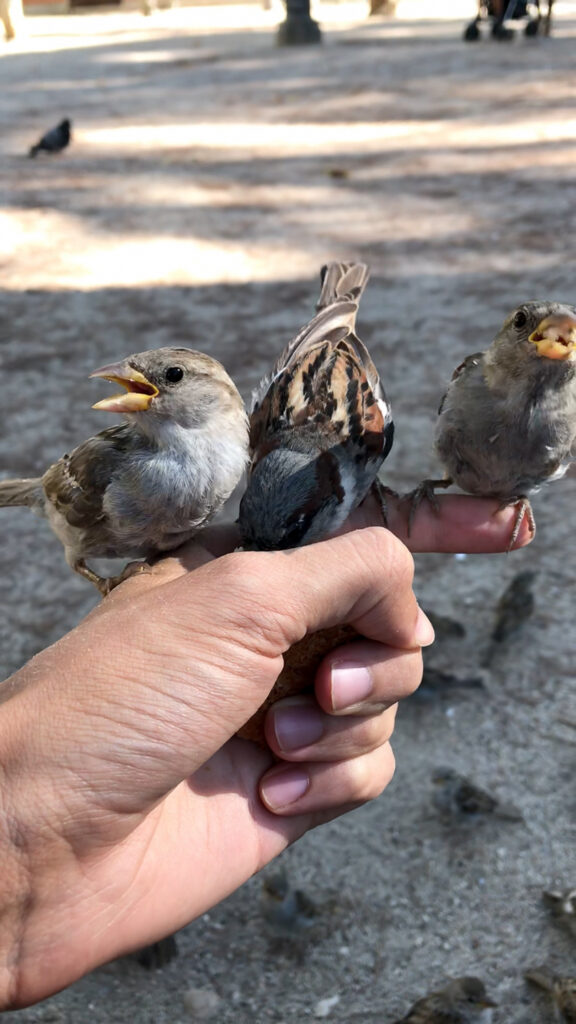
(332, 386)
(462, 370)
(76, 483)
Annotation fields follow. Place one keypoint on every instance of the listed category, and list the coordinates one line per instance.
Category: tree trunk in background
(299, 28)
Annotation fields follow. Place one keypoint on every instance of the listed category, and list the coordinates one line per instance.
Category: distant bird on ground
(457, 797)
(287, 911)
(461, 1001)
(563, 907)
(158, 954)
(320, 427)
(507, 423)
(514, 608)
(147, 485)
(55, 140)
(562, 990)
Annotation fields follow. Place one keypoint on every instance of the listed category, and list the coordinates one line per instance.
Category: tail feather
(342, 282)
(20, 492)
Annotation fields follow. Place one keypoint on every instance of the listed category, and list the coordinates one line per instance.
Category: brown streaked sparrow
(563, 907)
(147, 485)
(457, 797)
(562, 990)
(320, 426)
(461, 1001)
(507, 423)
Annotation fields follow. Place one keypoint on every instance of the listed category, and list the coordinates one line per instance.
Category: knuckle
(364, 781)
(254, 605)
(382, 550)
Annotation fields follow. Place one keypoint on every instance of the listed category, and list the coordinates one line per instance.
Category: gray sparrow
(561, 989)
(320, 426)
(461, 1001)
(456, 797)
(149, 484)
(507, 423)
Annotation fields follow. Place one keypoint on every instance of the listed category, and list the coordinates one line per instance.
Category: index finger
(462, 523)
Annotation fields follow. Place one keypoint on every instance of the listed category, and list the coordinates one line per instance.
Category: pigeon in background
(54, 140)
(461, 1001)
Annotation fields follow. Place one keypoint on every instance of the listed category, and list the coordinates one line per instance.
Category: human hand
(132, 806)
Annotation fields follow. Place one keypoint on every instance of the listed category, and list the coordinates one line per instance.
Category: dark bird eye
(173, 374)
(520, 319)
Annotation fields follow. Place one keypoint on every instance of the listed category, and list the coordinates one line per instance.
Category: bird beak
(555, 337)
(139, 390)
(487, 1004)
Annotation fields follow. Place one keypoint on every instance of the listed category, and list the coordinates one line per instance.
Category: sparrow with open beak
(507, 423)
(320, 426)
(151, 483)
(461, 1001)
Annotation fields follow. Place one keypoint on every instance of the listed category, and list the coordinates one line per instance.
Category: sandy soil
(210, 177)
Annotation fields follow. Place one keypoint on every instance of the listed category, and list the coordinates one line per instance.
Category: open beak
(555, 337)
(138, 393)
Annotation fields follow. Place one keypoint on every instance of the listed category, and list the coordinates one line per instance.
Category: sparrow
(149, 484)
(461, 1001)
(515, 607)
(320, 426)
(563, 907)
(507, 423)
(54, 140)
(561, 989)
(456, 796)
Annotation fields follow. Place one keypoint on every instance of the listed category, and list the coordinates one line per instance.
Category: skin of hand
(130, 807)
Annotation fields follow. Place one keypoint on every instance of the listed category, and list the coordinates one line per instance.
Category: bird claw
(382, 493)
(426, 491)
(523, 509)
(130, 570)
(104, 585)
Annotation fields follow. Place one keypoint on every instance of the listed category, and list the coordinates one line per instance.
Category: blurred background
(210, 173)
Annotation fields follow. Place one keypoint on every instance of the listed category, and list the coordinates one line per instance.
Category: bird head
(178, 385)
(293, 498)
(543, 330)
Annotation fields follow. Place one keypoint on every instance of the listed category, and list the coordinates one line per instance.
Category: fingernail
(351, 682)
(285, 788)
(296, 727)
(424, 630)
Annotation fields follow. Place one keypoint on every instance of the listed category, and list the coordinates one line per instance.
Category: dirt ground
(210, 177)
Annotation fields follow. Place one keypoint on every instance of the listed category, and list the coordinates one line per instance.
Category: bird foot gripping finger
(523, 509)
(130, 570)
(426, 491)
(105, 584)
(382, 493)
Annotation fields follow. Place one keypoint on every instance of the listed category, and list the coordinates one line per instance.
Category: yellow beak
(139, 392)
(555, 337)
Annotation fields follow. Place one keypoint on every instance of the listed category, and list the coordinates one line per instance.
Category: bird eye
(173, 374)
(520, 319)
